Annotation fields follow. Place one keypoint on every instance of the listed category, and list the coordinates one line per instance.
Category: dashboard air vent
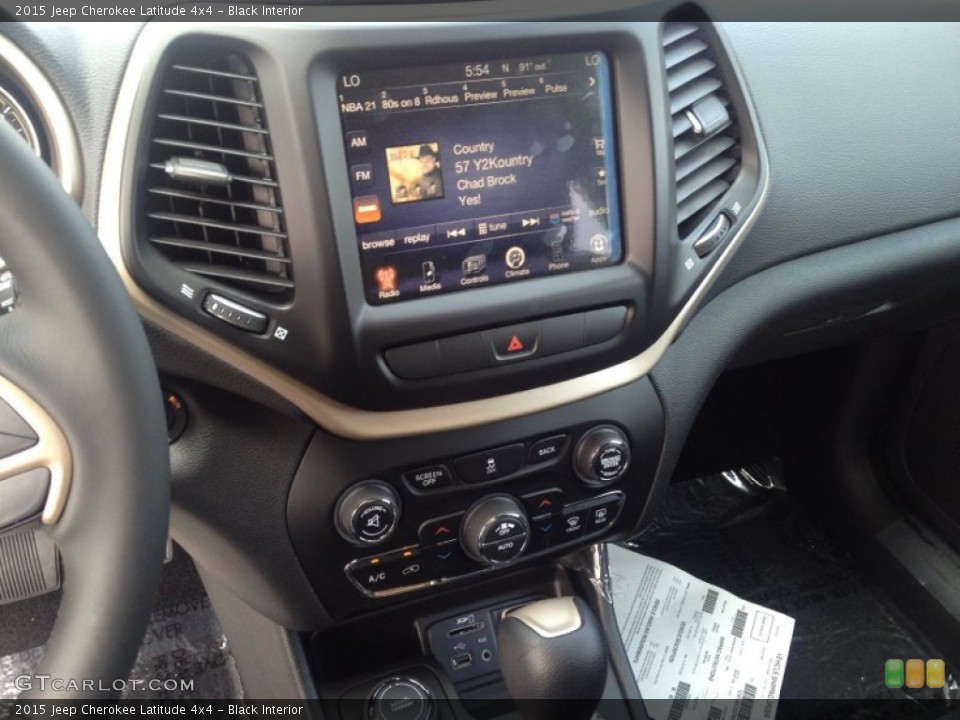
(212, 199)
(706, 147)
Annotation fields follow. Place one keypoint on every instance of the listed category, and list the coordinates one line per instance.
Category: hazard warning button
(514, 342)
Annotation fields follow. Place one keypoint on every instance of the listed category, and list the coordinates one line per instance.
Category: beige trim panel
(327, 412)
(64, 149)
(51, 450)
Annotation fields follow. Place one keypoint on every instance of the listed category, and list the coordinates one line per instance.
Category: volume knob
(368, 513)
(602, 456)
(495, 530)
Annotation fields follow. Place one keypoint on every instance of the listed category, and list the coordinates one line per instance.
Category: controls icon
(530, 223)
(491, 466)
(515, 258)
(474, 265)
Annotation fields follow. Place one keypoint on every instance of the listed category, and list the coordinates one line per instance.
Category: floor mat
(184, 653)
(753, 539)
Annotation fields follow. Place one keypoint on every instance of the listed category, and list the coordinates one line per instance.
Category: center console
(479, 240)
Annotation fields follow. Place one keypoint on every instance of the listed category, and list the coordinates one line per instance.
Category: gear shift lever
(553, 650)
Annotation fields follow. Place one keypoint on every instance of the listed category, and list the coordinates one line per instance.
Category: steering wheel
(76, 368)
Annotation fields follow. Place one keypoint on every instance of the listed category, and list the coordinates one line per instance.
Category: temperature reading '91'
(477, 70)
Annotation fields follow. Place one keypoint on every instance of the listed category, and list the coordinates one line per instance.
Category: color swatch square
(935, 673)
(914, 673)
(893, 673)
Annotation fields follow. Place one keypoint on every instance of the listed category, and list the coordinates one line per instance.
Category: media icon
(429, 272)
(482, 229)
(515, 258)
(474, 264)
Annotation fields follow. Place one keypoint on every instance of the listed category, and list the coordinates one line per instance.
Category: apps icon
(599, 244)
(386, 277)
(515, 258)
(429, 272)
(474, 264)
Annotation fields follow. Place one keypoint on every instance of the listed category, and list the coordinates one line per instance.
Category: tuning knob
(602, 456)
(495, 530)
(368, 513)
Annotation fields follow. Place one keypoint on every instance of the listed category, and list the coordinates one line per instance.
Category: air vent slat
(201, 147)
(706, 148)
(215, 73)
(688, 72)
(683, 51)
(223, 272)
(218, 249)
(213, 98)
(703, 175)
(701, 200)
(232, 227)
(266, 182)
(692, 92)
(200, 197)
(211, 199)
(675, 31)
(213, 123)
(702, 154)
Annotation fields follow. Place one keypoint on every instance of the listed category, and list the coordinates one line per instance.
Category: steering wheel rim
(75, 347)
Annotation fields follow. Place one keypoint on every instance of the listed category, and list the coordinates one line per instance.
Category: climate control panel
(492, 530)
(496, 531)
(378, 523)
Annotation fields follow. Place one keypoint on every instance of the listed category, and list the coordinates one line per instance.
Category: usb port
(465, 629)
(461, 661)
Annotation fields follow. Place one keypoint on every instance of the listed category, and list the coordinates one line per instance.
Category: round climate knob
(602, 456)
(495, 530)
(401, 699)
(368, 513)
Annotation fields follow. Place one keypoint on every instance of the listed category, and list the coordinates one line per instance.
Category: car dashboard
(435, 305)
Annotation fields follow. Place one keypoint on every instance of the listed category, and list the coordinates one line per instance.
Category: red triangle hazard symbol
(515, 345)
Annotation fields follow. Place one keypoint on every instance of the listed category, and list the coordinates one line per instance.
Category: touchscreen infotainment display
(473, 174)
